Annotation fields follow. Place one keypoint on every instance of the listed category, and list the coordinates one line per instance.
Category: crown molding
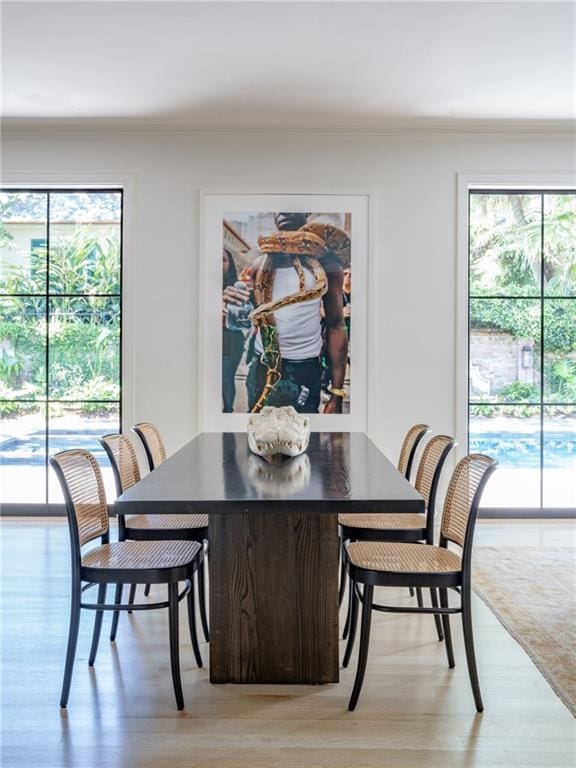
(102, 127)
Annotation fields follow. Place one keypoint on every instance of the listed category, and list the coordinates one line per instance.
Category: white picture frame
(213, 207)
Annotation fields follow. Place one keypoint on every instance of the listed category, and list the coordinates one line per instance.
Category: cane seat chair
(410, 444)
(406, 527)
(161, 527)
(152, 443)
(119, 563)
(192, 527)
(394, 564)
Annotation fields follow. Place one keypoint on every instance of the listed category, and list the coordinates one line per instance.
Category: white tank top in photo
(298, 325)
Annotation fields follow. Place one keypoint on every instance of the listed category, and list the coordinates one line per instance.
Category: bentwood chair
(397, 564)
(152, 527)
(410, 444)
(123, 562)
(406, 527)
(159, 527)
(152, 443)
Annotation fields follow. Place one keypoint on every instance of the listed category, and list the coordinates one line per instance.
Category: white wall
(413, 269)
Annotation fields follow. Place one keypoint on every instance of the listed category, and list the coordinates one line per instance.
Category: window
(60, 332)
(522, 344)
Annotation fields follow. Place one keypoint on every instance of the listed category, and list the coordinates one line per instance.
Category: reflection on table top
(216, 472)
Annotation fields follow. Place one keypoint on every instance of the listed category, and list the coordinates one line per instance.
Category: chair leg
(97, 626)
(437, 619)
(469, 646)
(146, 590)
(419, 598)
(116, 614)
(353, 624)
(348, 612)
(364, 643)
(192, 625)
(342, 587)
(132, 595)
(72, 642)
(202, 601)
(446, 625)
(411, 590)
(174, 653)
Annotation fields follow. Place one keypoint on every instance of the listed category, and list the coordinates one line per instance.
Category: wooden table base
(274, 598)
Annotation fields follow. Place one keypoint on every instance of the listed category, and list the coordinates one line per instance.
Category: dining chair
(152, 527)
(410, 444)
(404, 526)
(119, 563)
(152, 443)
(397, 564)
(126, 471)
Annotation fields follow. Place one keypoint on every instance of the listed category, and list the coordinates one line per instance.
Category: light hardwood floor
(413, 711)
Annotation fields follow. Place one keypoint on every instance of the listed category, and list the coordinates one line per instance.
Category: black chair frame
(415, 535)
(409, 464)
(101, 577)
(158, 534)
(425, 431)
(144, 441)
(459, 581)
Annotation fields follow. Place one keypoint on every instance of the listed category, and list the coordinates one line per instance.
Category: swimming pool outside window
(522, 344)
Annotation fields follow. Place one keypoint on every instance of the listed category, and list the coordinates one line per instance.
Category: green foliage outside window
(84, 262)
(519, 392)
(514, 316)
(507, 232)
(508, 315)
(506, 243)
(83, 330)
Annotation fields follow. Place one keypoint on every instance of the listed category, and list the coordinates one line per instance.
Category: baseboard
(527, 514)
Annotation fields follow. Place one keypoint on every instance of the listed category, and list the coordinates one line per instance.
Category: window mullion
(47, 350)
(542, 283)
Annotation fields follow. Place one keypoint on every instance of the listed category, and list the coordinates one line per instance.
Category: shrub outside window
(60, 332)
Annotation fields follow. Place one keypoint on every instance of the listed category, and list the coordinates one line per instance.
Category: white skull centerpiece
(277, 432)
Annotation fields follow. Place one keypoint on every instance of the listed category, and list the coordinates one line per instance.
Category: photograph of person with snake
(286, 311)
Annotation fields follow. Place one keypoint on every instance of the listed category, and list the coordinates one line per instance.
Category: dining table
(273, 543)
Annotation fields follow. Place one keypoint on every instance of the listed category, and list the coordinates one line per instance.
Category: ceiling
(363, 65)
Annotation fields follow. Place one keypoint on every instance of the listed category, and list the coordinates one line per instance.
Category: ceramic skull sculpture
(276, 432)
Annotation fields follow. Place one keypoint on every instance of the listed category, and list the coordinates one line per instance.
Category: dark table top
(216, 472)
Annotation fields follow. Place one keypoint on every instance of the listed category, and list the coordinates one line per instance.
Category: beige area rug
(532, 592)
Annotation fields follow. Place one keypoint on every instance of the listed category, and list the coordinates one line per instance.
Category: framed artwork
(283, 308)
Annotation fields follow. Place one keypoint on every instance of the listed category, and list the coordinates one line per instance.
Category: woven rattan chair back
(83, 488)
(433, 458)
(123, 459)
(152, 442)
(463, 496)
(409, 446)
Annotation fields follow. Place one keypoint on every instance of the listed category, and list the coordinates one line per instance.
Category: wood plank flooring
(413, 712)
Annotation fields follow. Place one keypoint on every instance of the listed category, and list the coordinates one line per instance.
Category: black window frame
(540, 511)
(46, 508)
